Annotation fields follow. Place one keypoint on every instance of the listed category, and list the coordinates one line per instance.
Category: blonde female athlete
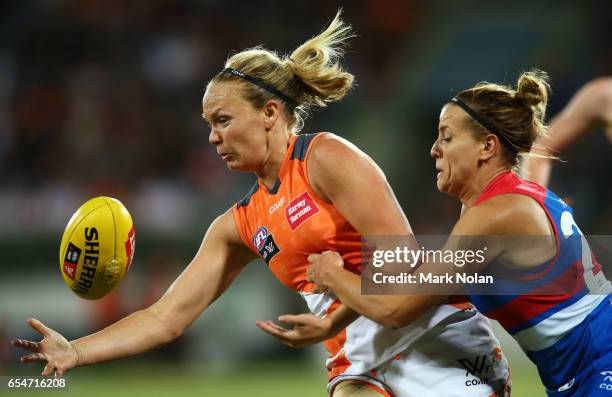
(313, 193)
(552, 295)
(591, 107)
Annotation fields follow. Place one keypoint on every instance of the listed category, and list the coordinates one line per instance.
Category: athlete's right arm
(220, 259)
(590, 107)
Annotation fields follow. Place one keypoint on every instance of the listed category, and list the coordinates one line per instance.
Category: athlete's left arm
(396, 311)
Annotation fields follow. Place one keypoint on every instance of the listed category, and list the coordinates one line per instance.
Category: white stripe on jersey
(318, 303)
(550, 330)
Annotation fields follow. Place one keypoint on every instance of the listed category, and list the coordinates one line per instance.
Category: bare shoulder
(502, 215)
(334, 162)
(331, 147)
(224, 229)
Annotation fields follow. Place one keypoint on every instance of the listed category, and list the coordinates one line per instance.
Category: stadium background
(102, 97)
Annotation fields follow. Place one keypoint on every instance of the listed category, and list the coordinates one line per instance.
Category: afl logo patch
(265, 244)
(260, 237)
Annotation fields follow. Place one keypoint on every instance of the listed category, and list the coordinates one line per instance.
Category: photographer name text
(428, 278)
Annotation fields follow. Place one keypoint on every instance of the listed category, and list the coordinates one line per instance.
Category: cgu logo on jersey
(265, 244)
(277, 205)
(300, 209)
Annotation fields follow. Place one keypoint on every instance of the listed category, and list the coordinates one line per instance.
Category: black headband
(259, 83)
(483, 121)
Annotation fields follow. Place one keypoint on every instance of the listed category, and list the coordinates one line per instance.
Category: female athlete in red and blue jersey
(550, 294)
(560, 312)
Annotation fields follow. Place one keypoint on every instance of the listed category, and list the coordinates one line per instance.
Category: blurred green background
(102, 97)
(270, 379)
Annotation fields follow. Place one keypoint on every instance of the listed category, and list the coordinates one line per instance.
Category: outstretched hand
(59, 354)
(306, 329)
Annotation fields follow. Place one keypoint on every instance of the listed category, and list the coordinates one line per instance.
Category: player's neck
(478, 184)
(278, 144)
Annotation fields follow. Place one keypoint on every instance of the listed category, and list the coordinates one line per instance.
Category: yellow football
(97, 247)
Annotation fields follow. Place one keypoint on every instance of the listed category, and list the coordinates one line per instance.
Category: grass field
(266, 379)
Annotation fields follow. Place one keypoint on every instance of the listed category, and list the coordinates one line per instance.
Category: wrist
(332, 324)
(328, 323)
(78, 354)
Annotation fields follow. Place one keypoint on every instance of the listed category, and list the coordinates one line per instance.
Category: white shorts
(454, 358)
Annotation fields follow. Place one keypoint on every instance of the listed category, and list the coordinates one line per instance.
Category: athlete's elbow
(389, 323)
(392, 318)
(396, 322)
(167, 327)
(171, 331)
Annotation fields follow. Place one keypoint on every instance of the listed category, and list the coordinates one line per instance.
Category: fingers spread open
(25, 344)
(48, 370)
(38, 326)
(33, 357)
(60, 371)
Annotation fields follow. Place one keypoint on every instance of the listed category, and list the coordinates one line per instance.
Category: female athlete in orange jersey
(313, 193)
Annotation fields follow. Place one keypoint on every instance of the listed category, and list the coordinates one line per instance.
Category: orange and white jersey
(287, 223)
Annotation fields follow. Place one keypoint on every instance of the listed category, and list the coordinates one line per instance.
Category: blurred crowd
(103, 96)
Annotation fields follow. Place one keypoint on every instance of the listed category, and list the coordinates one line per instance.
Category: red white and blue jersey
(562, 332)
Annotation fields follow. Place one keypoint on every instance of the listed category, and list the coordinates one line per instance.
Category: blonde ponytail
(316, 64)
(311, 76)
